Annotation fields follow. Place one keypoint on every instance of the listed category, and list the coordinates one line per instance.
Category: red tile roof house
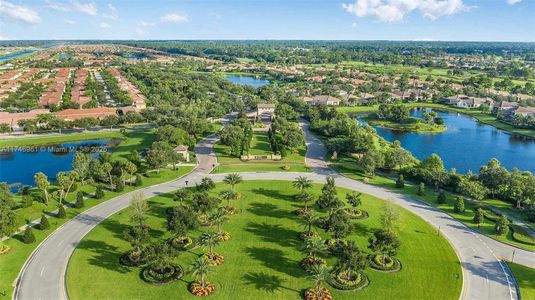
(12, 119)
(76, 114)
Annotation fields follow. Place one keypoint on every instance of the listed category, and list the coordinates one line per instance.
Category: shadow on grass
(274, 194)
(265, 282)
(103, 255)
(268, 210)
(275, 259)
(274, 233)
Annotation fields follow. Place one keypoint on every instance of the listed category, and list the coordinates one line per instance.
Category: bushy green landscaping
(261, 259)
(518, 237)
(12, 262)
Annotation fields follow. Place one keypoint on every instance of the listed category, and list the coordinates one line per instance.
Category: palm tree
(315, 246)
(232, 180)
(351, 259)
(218, 218)
(200, 268)
(308, 220)
(320, 274)
(228, 195)
(305, 197)
(209, 239)
(302, 183)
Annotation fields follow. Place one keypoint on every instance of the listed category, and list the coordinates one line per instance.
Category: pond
(19, 164)
(467, 144)
(247, 80)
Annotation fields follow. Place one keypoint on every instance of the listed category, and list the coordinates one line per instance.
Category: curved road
(484, 275)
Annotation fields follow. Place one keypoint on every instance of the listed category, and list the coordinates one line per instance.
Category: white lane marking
(42, 270)
(59, 244)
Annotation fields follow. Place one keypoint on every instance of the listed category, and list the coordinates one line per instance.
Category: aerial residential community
(240, 149)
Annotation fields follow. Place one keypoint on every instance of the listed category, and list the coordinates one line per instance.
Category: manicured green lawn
(259, 167)
(525, 278)
(351, 170)
(262, 257)
(420, 127)
(12, 262)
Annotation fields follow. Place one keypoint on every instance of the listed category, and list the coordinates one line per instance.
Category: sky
(446, 20)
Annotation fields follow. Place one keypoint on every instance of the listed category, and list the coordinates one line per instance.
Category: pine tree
(44, 225)
(421, 189)
(99, 194)
(29, 237)
(328, 197)
(458, 207)
(79, 200)
(441, 198)
(400, 183)
(61, 212)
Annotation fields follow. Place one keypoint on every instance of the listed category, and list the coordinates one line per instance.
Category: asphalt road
(484, 275)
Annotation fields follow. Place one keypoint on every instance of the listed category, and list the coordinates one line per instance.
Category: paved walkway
(485, 276)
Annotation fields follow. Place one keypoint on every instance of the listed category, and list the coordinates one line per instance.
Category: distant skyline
(445, 20)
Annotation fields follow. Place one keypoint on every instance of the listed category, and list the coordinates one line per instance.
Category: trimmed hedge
(340, 284)
(174, 272)
(393, 265)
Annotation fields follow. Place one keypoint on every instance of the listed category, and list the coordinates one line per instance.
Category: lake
(19, 164)
(15, 55)
(247, 80)
(467, 144)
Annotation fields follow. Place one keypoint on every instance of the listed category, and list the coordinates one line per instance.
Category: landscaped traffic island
(269, 246)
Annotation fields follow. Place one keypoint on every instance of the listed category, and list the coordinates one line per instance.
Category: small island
(396, 117)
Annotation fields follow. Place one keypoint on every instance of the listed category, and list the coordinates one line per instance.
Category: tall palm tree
(218, 218)
(302, 183)
(320, 274)
(232, 179)
(209, 239)
(200, 268)
(315, 246)
(228, 195)
(308, 220)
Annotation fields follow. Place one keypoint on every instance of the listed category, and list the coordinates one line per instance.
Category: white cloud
(71, 22)
(18, 13)
(104, 25)
(146, 24)
(396, 10)
(113, 15)
(174, 18)
(513, 2)
(4, 38)
(74, 6)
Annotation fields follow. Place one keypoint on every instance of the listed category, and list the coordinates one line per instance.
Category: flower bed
(168, 274)
(215, 259)
(4, 249)
(357, 214)
(182, 243)
(312, 294)
(229, 210)
(390, 264)
(300, 212)
(198, 290)
(333, 244)
(309, 261)
(355, 281)
(132, 259)
(224, 236)
(203, 220)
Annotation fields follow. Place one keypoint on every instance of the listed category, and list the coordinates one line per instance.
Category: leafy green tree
(441, 197)
(105, 170)
(353, 198)
(203, 203)
(139, 180)
(80, 165)
(42, 183)
(385, 242)
(350, 259)
(389, 218)
(421, 189)
(458, 206)
(99, 193)
(43, 224)
(139, 208)
(180, 219)
(207, 184)
(400, 182)
(502, 225)
(328, 197)
(62, 214)
(494, 177)
(479, 217)
(160, 256)
(79, 200)
(65, 181)
(472, 189)
(7, 215)
(29, 237)
(339, 223)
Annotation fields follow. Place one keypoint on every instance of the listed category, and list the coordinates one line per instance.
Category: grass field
(420, 127)
(351, 170)
(63, 138)
(260, 145)
(12, 262)
(262, 257)
(524, 277)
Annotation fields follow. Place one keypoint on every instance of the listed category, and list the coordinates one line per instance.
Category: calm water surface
(15, 55)
(247, 80)
(466, 144)
(19, 165)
